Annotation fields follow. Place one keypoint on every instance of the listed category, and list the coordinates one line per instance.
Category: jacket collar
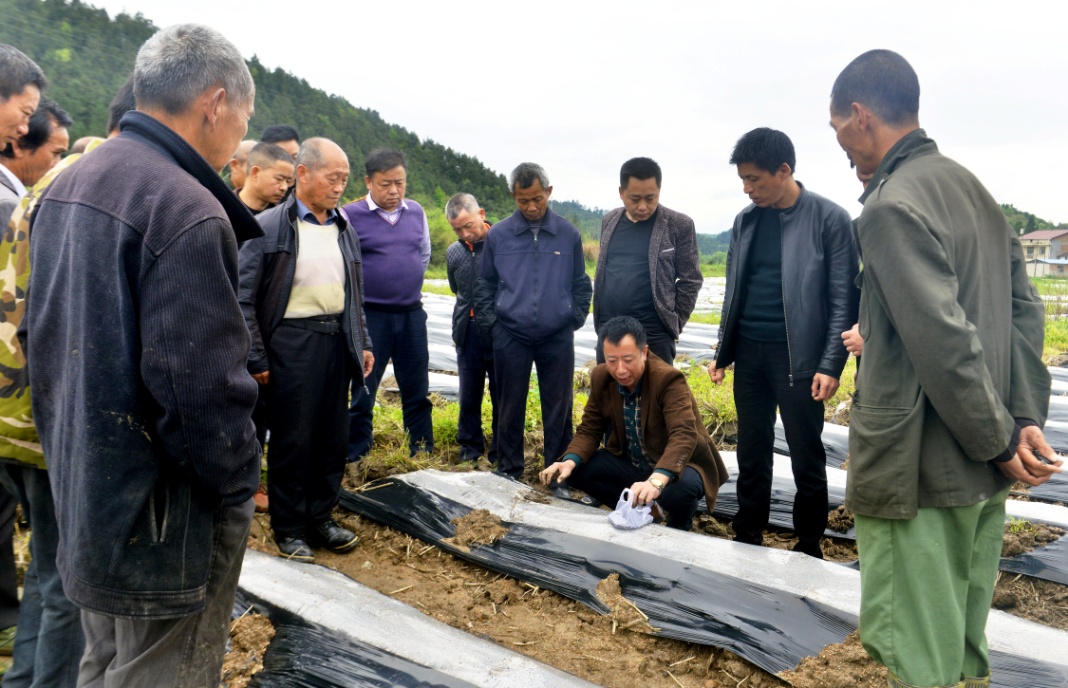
(913, 144)
(749, 214)
(521, 224)
(146, 128)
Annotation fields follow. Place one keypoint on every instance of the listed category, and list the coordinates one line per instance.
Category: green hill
(87, 56)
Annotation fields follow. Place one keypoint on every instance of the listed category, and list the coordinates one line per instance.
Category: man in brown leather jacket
(658, 447)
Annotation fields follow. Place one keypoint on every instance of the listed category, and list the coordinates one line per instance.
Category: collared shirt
(16, 183)
(392, 217)
(306, 215)
(632, 423)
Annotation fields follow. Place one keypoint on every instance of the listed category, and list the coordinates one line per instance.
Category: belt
(324, 324)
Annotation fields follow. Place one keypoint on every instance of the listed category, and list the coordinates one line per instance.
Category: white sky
(581, 86)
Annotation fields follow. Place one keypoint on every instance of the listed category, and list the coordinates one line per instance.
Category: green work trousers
(926, 586)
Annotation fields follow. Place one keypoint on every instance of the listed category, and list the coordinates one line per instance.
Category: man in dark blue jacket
(532, 295)
(474, 358)
(137, 353)
(302, 294)
(789, 296)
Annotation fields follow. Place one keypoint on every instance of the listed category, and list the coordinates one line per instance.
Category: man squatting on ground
(474, 357)
(649, 257)
(657, 444)
(951, 391)
(395, 241)
(302, 295)
(153, 562)
(789, 296)
(532, 294)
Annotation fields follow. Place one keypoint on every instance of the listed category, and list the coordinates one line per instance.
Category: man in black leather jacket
(790, 294)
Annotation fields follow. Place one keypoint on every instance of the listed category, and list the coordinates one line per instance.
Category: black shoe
(589, 500)
(295, 549)
(561, 490)
(333, 537)
(812, 549)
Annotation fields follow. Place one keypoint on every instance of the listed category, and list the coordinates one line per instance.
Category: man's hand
(262, 378)
(1025, 466)
(559, 472)
(644, 493)
(823, 386)
(368, 364)
(854, 343)
(716, 374)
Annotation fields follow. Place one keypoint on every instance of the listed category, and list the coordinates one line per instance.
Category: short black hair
(122, 103)
(17, 72)
(641, 169)
(265, 155)
(883, 81)
(619, 327)
(277, 133)
(43, 123)
(766, 148)
(384, 159)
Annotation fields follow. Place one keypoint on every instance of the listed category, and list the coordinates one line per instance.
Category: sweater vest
(392, 264)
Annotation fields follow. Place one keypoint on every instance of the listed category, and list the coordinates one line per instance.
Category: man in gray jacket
(951, 392)
(649, 255)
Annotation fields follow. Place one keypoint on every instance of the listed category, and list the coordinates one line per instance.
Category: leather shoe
(295, 549)
(333, 537)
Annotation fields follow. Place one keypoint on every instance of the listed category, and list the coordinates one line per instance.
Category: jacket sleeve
(486, 292)
(677, 408)
(595, 423)
(729, 293)
(195, 346)
(581, 287)
(450, 271)
(841, 263)
(688, 277)
(251, 277)
(913, 277)
(366, 344)
(1029, 387)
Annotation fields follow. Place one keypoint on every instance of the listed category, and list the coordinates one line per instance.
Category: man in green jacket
(952, 391)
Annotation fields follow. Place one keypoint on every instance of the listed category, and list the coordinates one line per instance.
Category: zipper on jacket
(782, 289)
(535, 314)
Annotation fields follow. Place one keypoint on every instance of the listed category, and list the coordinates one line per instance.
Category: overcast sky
(582, 85)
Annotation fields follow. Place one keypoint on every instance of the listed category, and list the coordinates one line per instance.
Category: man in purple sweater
(395, 242)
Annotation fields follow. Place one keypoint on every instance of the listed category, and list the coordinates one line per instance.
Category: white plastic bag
(628, 517)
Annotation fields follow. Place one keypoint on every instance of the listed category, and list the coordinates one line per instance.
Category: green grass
(709, 270)
(711, 318)
(436, 272)
(437, 289)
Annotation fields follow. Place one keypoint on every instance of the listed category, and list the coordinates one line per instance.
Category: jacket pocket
(884, 460)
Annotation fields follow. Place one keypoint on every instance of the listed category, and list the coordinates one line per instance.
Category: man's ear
(213, 103)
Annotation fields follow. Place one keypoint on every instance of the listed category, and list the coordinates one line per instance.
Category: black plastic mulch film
(1047, 563)
(304, 655)
(771, 628)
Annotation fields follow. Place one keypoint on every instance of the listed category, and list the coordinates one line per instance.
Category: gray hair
(310, 153)
(525, 174)
(459, 203)
(176, 65)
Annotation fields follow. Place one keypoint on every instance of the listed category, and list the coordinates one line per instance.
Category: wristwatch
(657, 482)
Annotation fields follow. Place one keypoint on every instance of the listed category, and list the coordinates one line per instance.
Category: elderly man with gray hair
(474, 356)
(533, 293)
(137, 353)
(302, 293)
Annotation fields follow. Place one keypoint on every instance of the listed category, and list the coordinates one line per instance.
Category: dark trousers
(661, 345)
(605, 476)
(762, 382)
(186, 652)
(554, 359)
(474, 366)
(310, 372)
(402, 338)
(9, 586)
(49, 642)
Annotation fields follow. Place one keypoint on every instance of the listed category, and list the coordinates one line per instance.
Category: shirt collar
(306, 215)
(16, 183)
(627, 394)
(374, 206)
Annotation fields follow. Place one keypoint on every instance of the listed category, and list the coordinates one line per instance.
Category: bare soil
(249, 637)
